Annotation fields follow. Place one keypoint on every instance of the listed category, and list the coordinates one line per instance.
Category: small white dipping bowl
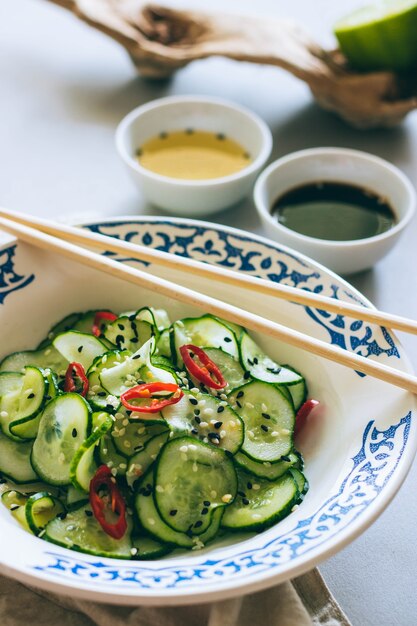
(343, 166)
(193, 197)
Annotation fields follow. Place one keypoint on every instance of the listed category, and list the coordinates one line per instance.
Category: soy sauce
(334, 211)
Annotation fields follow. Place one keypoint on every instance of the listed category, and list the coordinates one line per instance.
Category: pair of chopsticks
(67, 241)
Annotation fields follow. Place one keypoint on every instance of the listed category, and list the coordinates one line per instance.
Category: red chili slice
(100, 317)
(202, 367)
(303, 413)
(111, 503)
(146, 391)
(76, 371)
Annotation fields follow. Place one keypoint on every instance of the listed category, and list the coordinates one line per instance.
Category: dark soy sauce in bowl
(334, 211)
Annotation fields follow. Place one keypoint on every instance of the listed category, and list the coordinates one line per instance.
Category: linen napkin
(304, 601)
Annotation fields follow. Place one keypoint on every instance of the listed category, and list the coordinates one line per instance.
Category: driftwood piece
(161, 40)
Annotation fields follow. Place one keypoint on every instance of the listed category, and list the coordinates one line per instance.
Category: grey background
(64, 88)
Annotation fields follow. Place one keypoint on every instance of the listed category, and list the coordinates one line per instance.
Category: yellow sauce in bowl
(193, 155)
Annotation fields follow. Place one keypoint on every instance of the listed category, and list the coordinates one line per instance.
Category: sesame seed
(275, 433)
(220, 409)
(4, 414)
(256, 486)
(151, 521)
(206, 502)
(249, 485)
(204, 511)
(88, 513)
(183, 448)
(193, 401)
(74, 432)
(246, 375)
(245, 501)
(264, 428)
(80, 348)
(173, 512)
(238, 404)
(198, 524)
(31, 395)
(133, 551)
(227, 497)
(266, 416)
(218, 425)
(159, 489)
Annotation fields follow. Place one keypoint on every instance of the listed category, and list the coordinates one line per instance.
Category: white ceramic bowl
(357, 450)
(193, 197)
(336, 165)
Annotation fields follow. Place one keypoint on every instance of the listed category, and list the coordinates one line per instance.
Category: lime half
(382, 36)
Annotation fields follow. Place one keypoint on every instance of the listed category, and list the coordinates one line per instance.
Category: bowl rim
(309, 153)
(229, 588)
(252, 168)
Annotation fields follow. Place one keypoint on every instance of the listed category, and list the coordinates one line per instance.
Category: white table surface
(64, 88)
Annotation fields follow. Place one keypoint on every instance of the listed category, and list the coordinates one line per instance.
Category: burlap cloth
(302, 602)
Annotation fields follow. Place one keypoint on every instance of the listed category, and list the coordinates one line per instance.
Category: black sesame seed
(196, 411)
(203, 388)
(197, 419)
(121, 326)
(250, 362)
(255, 360)
(134, 326)
(246, 375)
(189, 532)
(48, 398)
(198, 524)
(214, 436)
(109, 407)
(217, 425)
(266, 416)
(220, 409)
(242, 494)
(137, 356)
(134, 340)
(245, 501)
(249, 485)
(285, 458)
(194, 431)
(62, 515)
(101, 394)
(173, 512)
(88, 513)
(238, 404)
(31, 395)
(74, 432)
(206, 502)
(13, 507)
(80, 348)
(240, 394)
(227, 339)
(265, 428)
(193, 401)
(204, 511)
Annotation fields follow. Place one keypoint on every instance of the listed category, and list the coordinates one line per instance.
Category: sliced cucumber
(152, 522)
(232, 371)
(163, 346)
(298, 391)
(205, 331)
(79, 530)
(301, 481)
(269, 420)
(145, 548)
(188, 474)
(40, 508)
(270, 471)
(15, 460)
(79, 347)
(46, 357)
(142, 460)
(260, 366)
(261, 508)
(24, 419)
(110, 456)
(206, 418)
(64, 426)
(97, 395)
(128, 334)
(75, 497)
(132, 437)
(83, 465)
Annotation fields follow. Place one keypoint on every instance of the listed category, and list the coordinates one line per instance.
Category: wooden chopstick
(210, 305)
(231, 277)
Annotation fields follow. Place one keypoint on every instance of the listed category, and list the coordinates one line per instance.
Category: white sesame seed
(213, 493)
(95, 388)
(208, 412)
(285, 431)
(151, 521)
(248, 405)
(223, 396)
(122, 466)
(256, 486)
(183, 448)
(47, 352)
(264, 408)
(275, 433)
(4, 414)
(125, 422)
(191, 446)
(227, 497)
(159, 489)
(105, 450)
(256, 516)
(122, 432)
(294, 508)
(223, 434)
(133, 551)
(114, 471)
(110, 464)
(203, 425)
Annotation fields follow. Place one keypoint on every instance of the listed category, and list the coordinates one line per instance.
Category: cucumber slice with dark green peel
(261, 367)
(260, 508)
(152, 522)
(97, 395)
(145, 548)
(79, 347)
(163, 346)
(15, 502)
(23, 407)
(301, 481)
(83, 465)
(79, 530)
(63, 428)
(207, 419)
(119, 378)
(53, 388)
(110, 456)
(231, 369)
(205, 331)
(67, 323)
(298, 391)
(46, 357)
(142, 460)
(15, 460)
(267, 470)
(235, 328)
(40, 508)
(132, 437)
(188, 474)
(269, 419)
(128, 334)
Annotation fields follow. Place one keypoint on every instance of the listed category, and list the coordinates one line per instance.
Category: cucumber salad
(128, 436)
